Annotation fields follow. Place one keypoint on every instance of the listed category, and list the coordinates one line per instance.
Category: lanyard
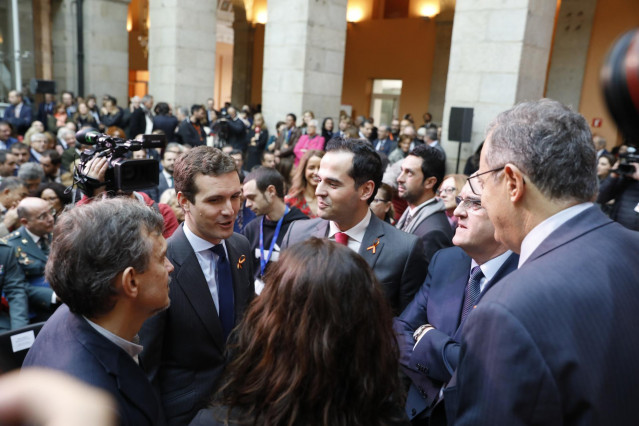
(264, 261)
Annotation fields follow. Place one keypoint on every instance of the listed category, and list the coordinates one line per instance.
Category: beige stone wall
(499, 56)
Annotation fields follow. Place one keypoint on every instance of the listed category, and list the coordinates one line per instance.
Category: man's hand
(96, 169)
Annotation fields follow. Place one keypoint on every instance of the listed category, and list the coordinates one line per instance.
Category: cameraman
(96, 168)
(624, 189)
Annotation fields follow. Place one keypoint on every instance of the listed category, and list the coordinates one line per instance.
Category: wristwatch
(421, 330)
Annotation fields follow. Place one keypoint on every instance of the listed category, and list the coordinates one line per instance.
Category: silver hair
(551, 144)
(92, 244)
(28, 171)
(62, 132)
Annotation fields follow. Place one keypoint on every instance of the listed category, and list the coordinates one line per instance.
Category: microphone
(87, 136)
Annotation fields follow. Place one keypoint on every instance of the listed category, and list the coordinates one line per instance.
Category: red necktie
(341, 238)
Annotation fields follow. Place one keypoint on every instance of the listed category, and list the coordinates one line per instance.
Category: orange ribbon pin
(374, 246)
(241, 261)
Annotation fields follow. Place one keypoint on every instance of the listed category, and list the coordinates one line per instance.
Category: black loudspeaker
(41, 86)
(460, 124)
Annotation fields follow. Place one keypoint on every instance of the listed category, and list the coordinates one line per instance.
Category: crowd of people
(288, 255)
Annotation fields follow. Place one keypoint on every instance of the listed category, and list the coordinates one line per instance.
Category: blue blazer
(438, 302)
(69, 344)
(556, 341)
(21, 123)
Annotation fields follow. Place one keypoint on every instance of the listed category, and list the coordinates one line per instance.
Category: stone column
(303, 58)
(443, 35)
(499, 56)
(242, 56)
(106, 49)
(570, 51)
(182, 50)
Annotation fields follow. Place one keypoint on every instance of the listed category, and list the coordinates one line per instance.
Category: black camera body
(626, 160)
(123, 174)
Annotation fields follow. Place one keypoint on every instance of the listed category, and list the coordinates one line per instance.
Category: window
(385, 100)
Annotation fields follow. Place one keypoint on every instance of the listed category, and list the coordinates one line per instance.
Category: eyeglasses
(448, 190)
(380, 200)
(478, 186)
(469, 204)
(46, 214)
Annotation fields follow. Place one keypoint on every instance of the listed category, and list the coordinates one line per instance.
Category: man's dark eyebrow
(332, 180)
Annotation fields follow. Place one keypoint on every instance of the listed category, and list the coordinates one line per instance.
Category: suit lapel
(192, 282)
(241, 278)
(586, 221)
(32, 248)
(373, 241)
(321, 229)
(449, 297)
(130, 378)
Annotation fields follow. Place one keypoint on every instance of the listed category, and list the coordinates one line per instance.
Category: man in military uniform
(14, 287)
(31, 245)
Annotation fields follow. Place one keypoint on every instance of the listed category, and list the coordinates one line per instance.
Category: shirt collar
(33, 236)
(356, 232)
(491, 267)
(413, 211)
(540, 232)
(198, 244)
(131, 348)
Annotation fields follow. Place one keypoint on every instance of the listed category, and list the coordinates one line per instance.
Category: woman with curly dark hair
(315, 348)
(302, 192)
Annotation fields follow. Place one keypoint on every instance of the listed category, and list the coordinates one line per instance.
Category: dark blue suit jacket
(69, 344)
(22, 123)
(184, 346)
(388, 145)
(438, 302)
(556, 341)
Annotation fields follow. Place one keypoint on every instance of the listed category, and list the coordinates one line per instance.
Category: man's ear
(23, 221)
(366, 190)
(128, 284)
(271, 190)
(515, 182)
(429, 182)
(182, 201)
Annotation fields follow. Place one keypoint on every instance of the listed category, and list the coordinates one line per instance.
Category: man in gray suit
(350, 174)
(422, 173)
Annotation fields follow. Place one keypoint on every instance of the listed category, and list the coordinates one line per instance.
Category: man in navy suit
(212, 285)
(384, 143)
(18, 113)
(350, 174)
(554, 342)
(109, 266)
(430, 327)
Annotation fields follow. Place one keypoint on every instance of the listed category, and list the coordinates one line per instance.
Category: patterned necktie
(224, 290)
(409, 219)
(341, 238)
(472, 292)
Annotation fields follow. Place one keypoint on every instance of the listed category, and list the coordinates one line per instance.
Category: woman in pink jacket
(310, 141)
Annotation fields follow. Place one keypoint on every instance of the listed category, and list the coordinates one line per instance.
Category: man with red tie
(350, 174)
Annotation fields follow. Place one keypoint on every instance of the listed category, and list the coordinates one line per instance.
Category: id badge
(259, 286)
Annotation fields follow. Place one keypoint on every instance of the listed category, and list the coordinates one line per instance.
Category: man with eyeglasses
(429, 329)
(555, 341)
(422, 172)
(31, 244)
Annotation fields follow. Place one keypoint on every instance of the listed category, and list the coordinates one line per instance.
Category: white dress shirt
(132, 348)
(540, 232)
(207, 260)
(355, 234)
(490, 268)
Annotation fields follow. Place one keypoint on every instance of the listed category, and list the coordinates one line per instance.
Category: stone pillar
(242, 56)
(182, 50)
(303, 58)
(570, 51)
(499, 56)
(443, 35)
(106, 49)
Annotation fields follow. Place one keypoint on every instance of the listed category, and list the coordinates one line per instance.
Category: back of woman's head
(317, 346)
